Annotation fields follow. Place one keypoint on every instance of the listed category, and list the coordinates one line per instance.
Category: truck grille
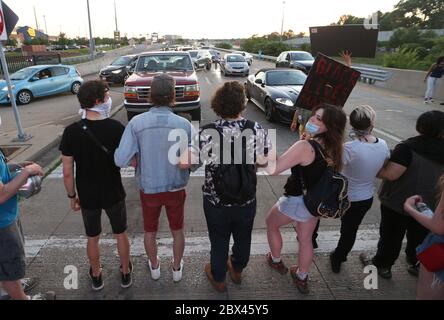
(144, 92)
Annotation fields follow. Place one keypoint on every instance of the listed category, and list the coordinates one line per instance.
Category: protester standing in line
(146, 141)
(414, 167)
(89, 145)
(305, 157)
(430, 284)
(363, 158)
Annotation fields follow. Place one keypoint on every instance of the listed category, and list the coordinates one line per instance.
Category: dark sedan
(120, 70)
(300, 60)
(275, 91)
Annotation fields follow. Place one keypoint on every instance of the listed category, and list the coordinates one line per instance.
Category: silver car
(247, 56)
(234, 64)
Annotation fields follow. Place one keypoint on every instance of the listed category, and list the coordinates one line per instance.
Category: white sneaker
(177, 275)
(426, 101)
(155, 273)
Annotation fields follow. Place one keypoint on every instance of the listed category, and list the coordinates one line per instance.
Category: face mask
(103, 109)
(311, 128)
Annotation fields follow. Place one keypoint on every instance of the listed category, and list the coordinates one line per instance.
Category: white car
(246, 55)
(234, 64)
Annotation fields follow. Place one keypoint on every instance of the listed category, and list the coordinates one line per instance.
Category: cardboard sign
(329, 82)
(332, 40)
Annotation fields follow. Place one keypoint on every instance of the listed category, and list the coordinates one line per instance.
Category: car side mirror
(34, 79)
(258, 81)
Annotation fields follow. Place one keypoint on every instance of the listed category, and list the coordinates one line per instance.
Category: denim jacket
(147, 137)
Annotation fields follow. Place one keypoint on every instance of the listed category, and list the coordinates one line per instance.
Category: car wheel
(269, 115)
(24, 97)
(75, 87)
(208, 66)
(131, 114)
(196, 115)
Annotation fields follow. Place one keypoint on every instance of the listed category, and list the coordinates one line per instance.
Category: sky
(194, 19)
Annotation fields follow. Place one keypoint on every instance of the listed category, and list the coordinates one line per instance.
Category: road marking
(384, 133)
(366, 240)
(131, 173)
(208, 81)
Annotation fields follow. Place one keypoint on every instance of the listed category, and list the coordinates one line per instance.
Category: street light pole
(46, 27)
(91, 40)
(283, 15)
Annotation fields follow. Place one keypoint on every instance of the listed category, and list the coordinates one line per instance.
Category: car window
(193, 54)
(235, 58)
(122, 61)
(159, 62)
(58, 71)
(287, 57)
(22, 74)
(301, 56)
(44, 74)
(286, 78)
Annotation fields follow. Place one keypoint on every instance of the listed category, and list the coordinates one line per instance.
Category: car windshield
(167, 62)
(193, 54)
(301, 56)
(236, 58)
(122, 61)
(286, 78)
(22, 74)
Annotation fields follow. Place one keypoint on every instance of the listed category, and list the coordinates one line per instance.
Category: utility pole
(46, 27)
(115, 14)
(283, 15)
(36, 21)
(91, 40)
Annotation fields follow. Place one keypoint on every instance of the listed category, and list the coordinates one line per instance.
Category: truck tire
(196, 115)
(130, 115)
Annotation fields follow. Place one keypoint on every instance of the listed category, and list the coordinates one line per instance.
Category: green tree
(422, 13)
(403, 36)
(62, 39)
(349, 19)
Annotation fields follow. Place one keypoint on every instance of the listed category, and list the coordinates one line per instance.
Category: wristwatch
(73, 196)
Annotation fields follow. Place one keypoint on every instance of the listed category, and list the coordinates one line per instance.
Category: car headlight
(130, 92)
(5, 89)
(192, 90)
(285, 101)
(117, 71)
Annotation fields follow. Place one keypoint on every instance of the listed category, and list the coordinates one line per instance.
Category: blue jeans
(222, 222)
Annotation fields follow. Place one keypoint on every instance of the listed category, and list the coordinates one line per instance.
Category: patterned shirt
(259, 139)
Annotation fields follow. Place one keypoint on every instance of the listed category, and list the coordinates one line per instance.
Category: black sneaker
(335, 264)
(126, 279)
(385, 273)
(29, 283)
(50, 295)
(96, 282)
(413, 269)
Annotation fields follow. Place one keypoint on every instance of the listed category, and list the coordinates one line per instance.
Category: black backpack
(235, 184)
(328, 198)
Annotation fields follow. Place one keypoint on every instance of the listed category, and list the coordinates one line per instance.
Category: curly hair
(90, 92)
(335, 121)
(431, 124)
(229, 100)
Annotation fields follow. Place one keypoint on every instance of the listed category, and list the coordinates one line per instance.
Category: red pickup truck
(176, 64)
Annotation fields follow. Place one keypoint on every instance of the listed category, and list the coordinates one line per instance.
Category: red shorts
(152, 204)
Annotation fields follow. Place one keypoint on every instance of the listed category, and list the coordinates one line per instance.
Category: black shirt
(98, 179)
(402, 155)
(311, 173)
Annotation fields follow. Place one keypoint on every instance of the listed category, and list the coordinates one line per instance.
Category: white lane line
(131, 173)
(208, 81)
(366, 240)
(384, 133)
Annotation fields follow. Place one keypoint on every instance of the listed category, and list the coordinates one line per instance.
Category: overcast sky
(189, 18)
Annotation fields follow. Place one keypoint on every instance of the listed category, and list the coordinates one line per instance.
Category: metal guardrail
(370, 74)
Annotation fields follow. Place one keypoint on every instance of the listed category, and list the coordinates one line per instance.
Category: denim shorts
(12, 254)
(294, 208)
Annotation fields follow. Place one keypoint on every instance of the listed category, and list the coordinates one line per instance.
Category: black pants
(349, 228)
(222, 222)
(391, 233)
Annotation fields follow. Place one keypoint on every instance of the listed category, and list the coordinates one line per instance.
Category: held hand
(75, 204)
(34, 170)
(410, 203)
(346, 55)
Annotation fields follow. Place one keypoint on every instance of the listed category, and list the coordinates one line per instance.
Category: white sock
(301, 275)
(276, 260)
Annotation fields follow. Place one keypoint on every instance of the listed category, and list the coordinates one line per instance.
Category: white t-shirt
(362, 161)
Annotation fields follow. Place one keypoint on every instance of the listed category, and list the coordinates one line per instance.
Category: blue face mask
(311, 128)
